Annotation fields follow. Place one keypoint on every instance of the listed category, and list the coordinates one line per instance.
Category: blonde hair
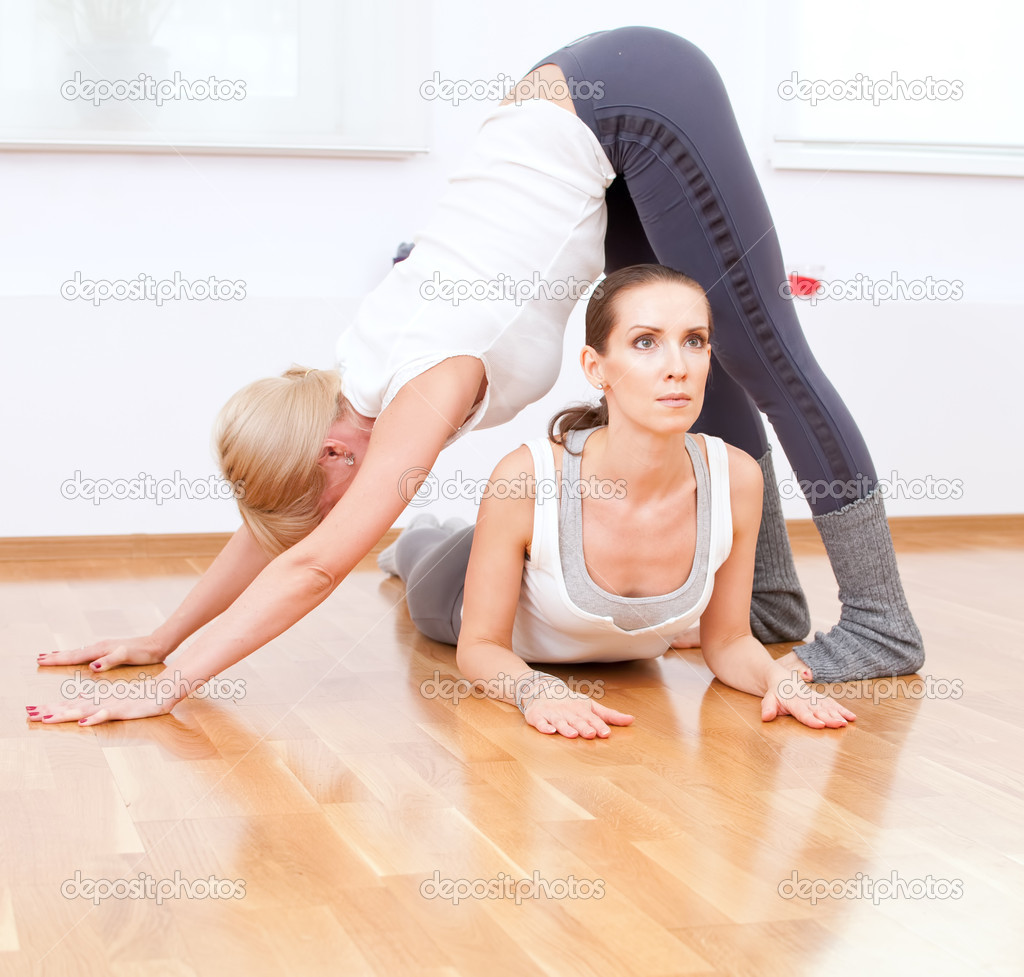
(268, 438)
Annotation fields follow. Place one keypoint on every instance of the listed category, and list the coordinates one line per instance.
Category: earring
(350, 459)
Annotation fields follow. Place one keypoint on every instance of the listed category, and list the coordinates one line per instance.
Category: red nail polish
(48, 717)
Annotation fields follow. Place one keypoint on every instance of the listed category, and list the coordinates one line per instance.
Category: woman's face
(657, 357)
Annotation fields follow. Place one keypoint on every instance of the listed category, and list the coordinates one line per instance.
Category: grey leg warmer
(431, 560)
(387, 558)
(876, 635)
(778, 607)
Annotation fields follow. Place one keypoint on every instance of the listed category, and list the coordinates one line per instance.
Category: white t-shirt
(549, 627)
(527, 207)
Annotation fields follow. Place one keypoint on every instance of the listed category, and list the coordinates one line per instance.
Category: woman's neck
(652, 465)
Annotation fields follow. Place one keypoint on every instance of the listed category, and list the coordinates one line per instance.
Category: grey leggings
(432, 562)
(686, 196)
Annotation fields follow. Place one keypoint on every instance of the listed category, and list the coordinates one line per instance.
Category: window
(906, 87)
(272, 76)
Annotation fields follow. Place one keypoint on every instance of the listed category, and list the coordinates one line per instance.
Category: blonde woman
(617, 149)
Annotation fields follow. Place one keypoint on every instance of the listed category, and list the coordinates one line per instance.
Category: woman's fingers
(544, 726)
(108, 653)
(68, 711)
(591, 726)
(824, 712)
(75, 656)
(833, 713)
(566, 728)
(126, 700)
(100, 716)
(612, 716)
(572, 719)
(800, 711)
(774, 705)
(118, 655)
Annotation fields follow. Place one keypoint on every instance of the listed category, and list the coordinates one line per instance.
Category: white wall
(129, 388)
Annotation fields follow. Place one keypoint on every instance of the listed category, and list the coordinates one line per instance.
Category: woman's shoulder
(516, 476)
(516, 463)
(743, 468)
(746, 484)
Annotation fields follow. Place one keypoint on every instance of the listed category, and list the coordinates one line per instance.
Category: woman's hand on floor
(572, 715)
(789, 696)
(125, 700)
(109, 653)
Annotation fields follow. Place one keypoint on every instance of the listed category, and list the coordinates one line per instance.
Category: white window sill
(796, 154)
(190, 147)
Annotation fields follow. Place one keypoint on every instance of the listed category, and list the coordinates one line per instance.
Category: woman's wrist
(533, 683)
(162, 642)
(776, 675)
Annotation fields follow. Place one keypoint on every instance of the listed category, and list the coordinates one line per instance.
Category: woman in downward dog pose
(611, 539)
(643, 164)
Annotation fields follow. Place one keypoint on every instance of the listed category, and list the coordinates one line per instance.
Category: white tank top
(526, 206)
(550, 628)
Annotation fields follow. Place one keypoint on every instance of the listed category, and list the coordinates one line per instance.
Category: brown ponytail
(599, 323)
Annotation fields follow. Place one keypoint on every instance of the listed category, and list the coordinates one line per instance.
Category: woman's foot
(386, 557)
(876, 636)
(791, 663)
(778, 607)
(688, 639)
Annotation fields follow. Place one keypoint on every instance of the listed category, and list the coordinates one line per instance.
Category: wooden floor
(346, 807)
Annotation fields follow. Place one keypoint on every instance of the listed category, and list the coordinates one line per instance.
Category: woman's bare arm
(735, 656)
(407, 436)
(493, 581)
(504, 528)
(235, 567)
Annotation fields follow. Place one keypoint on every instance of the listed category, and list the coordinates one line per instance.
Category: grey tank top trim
(628, 613)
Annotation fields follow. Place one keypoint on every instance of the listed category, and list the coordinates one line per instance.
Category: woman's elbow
(312, 576)
(463, 655)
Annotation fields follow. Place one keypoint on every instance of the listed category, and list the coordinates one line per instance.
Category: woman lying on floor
(649, 531)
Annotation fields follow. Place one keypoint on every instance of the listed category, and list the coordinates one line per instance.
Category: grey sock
(876, 635)
(387, 558)
(778, 607)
